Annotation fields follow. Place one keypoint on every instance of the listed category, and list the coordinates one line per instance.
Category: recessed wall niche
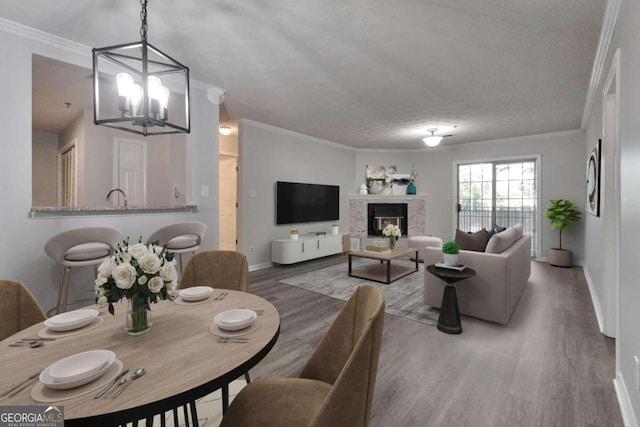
(76, 163)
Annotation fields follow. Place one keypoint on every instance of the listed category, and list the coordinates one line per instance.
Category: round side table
(449, 320)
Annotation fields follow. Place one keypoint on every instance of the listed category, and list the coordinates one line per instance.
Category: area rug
(402, 297)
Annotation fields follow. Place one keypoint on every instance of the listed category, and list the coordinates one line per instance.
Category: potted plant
(563, 214)
(450, 251)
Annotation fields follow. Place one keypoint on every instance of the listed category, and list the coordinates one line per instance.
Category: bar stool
(80, 247)
(180, 238)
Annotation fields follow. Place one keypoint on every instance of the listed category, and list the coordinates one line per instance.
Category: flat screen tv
(298, 203)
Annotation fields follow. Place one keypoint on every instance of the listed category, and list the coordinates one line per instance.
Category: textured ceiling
(364, 73)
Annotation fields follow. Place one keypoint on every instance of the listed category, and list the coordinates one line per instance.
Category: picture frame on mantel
(593, 180)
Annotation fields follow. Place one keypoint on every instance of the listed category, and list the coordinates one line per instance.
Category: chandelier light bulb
(125, 84)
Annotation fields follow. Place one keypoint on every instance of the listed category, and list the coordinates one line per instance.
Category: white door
(130, 171)
(228, 202)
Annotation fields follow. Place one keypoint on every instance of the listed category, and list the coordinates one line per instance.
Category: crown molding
(30, 33)
(606, 34)
(40, 36)
(309, 138)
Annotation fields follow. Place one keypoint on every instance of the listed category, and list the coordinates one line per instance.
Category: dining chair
(335, 388)
(180, 238)
(80, 247)
(220, 270)
(18, 308)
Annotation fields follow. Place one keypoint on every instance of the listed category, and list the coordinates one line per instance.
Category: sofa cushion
(500, 242)
(519, 230)
(472, 241)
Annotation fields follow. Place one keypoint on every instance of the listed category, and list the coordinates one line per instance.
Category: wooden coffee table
(380, 272)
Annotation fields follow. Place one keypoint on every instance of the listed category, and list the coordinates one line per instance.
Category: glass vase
(392, 242)
(138, 320)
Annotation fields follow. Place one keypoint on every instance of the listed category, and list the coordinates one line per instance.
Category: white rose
(102, 301)
(100, 281)
(142, 280)
(155, 284)
(157, 249)
(124, 275)
(137, 250)
(168, 272)
(149, 263)
(99, 291)
(126, 257)
(107, 267)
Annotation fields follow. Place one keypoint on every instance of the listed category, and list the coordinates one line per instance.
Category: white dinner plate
(78, 366)
(236, 319)
(71, 320)
(196, 293)
(45, 377)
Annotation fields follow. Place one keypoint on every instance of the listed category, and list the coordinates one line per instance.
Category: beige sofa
(493, 293)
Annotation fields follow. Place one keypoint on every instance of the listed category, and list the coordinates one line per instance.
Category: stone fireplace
(413, 224)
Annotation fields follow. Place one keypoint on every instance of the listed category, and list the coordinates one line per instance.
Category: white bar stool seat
(180, 238)
(80, 247)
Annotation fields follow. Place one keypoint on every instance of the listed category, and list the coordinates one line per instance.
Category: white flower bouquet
(393, 233)
(141, 273)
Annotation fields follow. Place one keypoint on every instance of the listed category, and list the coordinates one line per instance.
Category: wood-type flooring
(550, 366)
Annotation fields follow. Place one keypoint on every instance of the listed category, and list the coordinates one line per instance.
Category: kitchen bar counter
(60, 211)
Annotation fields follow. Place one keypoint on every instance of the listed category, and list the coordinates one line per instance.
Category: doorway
(130, 171)
(611, 202)
(228, 179)
(499, 193)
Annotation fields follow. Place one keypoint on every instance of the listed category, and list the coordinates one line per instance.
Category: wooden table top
(397, 252)
(450, 275)
(181, 356)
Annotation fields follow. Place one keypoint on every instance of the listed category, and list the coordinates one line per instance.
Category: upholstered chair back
(18, 308)
(218, 269)
(347, 358)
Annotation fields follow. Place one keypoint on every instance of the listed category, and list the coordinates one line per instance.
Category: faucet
(123, 195)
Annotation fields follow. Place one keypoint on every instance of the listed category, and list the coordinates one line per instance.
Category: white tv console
(309, 246)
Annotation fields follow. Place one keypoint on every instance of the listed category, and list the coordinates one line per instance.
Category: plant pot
(560, 257)
(451, 259)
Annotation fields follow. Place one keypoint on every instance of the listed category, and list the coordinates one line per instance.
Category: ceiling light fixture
(143, 101)
(432, 140)
(225, 130)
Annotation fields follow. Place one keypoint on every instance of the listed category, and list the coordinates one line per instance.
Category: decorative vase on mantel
(138, 320)
(411, 189)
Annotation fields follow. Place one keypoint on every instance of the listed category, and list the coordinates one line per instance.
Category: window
(502, 193)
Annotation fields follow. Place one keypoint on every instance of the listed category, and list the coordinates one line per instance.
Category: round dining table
(183, 354)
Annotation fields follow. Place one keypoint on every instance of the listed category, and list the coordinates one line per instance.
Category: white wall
(562, 176)
(269, 154)
(22, 256)
(628, 339)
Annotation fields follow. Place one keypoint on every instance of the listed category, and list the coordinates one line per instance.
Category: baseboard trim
(626, 409)
(594, 300)
(262, 266)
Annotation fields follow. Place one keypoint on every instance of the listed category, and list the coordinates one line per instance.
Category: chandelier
(137, 100)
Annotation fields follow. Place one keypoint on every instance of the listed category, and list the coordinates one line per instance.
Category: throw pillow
(472, 241)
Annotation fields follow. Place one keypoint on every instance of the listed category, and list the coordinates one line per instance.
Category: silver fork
(221, 296)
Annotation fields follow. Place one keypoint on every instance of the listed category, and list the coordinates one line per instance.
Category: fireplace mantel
(416, 206)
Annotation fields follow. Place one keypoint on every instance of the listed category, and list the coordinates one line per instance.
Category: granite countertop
(52, 211)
